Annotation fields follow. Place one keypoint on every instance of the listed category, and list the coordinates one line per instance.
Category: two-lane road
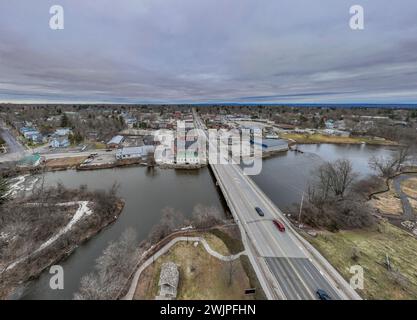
(15, 149)
(291, 272)
(289, 262)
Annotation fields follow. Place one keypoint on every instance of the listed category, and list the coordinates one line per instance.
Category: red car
(279, 225)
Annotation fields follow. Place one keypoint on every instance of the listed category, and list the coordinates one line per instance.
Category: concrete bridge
(287, 266)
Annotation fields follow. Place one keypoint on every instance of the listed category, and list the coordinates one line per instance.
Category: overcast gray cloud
(208, 51)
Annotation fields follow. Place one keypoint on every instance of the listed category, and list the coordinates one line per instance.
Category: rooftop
(116, 140)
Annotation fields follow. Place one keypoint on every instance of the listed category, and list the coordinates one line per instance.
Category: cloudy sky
(142, 51)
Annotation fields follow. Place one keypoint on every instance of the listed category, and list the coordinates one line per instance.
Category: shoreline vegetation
(318, 138)
(47, 227)
(385, 246)
(115, 270)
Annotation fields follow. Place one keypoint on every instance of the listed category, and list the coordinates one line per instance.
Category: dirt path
(408, 211)
(164, 249)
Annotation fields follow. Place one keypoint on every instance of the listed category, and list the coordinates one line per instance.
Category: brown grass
(202, 276)
(321, 138)
(387, 202)
(413, 204)
(372, 246)
(65, 162)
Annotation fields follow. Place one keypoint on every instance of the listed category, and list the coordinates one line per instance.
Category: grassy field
(388, 202)
(371, 247)
(232, 241)
(202, 276)
(99, 145)
(321, 138)
(65, 162)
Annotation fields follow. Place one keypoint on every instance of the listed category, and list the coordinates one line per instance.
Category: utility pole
(301, 209)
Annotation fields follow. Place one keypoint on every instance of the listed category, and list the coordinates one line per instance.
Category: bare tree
(206, 217)
(388, 166)
(171, 220)
(333, 179)
(174, 219)
(90, 288)
(334, 201)
(112, 269)
(341, 176)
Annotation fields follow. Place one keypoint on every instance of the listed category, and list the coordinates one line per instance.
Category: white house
(168, 281)
(61, 132)
(59, 142)
(134, 152)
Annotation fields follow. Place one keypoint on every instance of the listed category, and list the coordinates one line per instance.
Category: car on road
(259, 211)
(323, 295)
(279, 225)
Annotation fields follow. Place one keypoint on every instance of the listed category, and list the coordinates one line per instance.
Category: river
(145, 195)
(283, 179)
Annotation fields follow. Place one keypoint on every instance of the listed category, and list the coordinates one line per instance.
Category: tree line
(337, 199)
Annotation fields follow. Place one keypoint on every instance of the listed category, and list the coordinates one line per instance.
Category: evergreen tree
(4, 189)
(65, 122)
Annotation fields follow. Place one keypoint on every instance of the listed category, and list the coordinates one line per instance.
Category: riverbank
(142, 189)
(398, 202)
(385, 251)
(318, 138)
(80, 221)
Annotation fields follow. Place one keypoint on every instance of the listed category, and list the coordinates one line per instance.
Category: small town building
(149, 139)
(134, 152)
(334, 132)
(32, 160)
(59, 142)
(92, 135)
(269, 145)
(61, 132)
(187, 157)
(28, 131)
(32, 134)
(329, 124)
(115, 142)
(168, 281)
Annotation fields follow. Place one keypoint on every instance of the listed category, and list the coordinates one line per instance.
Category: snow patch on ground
(21, 184)
(4, 235)
(82, 211)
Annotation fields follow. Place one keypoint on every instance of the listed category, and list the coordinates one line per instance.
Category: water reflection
(284, 177)
(146, 193)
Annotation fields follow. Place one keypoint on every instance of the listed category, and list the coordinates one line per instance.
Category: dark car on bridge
(259, 211)
(323, 295)
(279, 225)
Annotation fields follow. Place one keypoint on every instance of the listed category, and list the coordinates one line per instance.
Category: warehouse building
(134, 152)
(270, 145)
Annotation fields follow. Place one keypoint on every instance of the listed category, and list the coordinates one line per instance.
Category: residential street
(15, 150)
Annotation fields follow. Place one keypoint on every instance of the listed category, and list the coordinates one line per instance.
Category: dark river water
(145, 196)
(283, 179)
